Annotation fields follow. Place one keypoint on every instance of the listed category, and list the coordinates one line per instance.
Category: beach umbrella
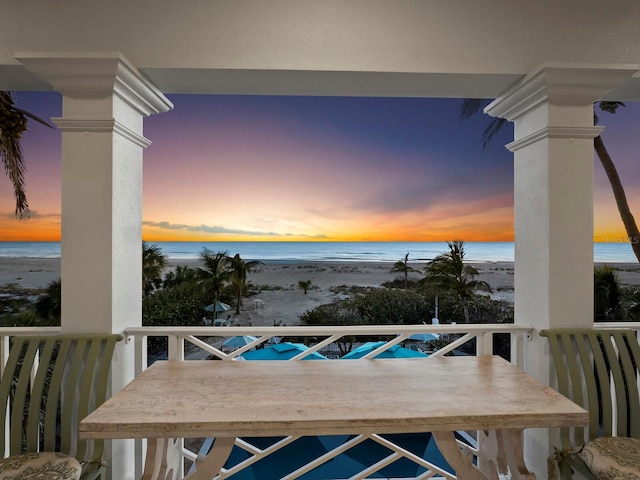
(424, 337)
(281, 351)
(395, 351)
(220, 307)
(239, 341)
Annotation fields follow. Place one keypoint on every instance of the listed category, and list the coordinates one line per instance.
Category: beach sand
(281, 300)
(29, 273)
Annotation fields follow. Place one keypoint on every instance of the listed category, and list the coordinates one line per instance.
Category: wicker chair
(598, 370)
(48, 385)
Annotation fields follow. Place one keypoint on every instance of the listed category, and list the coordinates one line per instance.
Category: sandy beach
(281, 301)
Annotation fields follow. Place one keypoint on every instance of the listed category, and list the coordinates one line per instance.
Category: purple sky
(317, 168)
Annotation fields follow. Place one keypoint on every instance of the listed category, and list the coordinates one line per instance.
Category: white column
(552, 109)
(105, 99)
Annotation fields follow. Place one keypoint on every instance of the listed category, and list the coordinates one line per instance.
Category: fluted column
(105, 99)
(552, 109)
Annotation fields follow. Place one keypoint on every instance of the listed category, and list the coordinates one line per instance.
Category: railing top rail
(328, 330)
(22, 331)
(627, 325)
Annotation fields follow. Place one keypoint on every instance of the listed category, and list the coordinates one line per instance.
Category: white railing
(628, 325)
(195, 342)
(319, 338)
(200, 342)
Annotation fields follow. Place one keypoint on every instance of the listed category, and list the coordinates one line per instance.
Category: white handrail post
(175, 347)
(140, 359)
(518, 349)
(140, 353)
(4, 356)
(485, 343)
(175, 351)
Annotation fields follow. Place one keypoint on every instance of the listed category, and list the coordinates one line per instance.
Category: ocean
(329, 251)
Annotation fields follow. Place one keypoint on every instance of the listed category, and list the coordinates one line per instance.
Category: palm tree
(182, 274)
(607, 294)
(472, 106)
(153, 264)
(13, 123)
(403, 266)
(616, 184)
(305, 285)
(215, 274)
(49, 305)
(448, 273)
(613, 301)
(240, 270)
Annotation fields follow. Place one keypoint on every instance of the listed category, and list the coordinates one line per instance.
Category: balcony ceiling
(434, 48)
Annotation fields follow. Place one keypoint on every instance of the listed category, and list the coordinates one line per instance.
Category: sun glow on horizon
(43, 230)
(315, 169)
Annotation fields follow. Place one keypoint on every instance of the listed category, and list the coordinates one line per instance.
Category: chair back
(48, 385)
(598, 370)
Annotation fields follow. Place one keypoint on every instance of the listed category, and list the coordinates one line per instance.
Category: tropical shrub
(480, 308)
(49, 305)
(305, 285)
(373, 306)
(338, 313)
(612, 300)
(181, 274)
(182, 304)
(448, 273)
(391, 306)
(385, 306)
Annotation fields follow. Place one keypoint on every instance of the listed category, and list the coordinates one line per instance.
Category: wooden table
(229, 399)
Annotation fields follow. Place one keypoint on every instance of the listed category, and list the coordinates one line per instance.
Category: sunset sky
(316, 168)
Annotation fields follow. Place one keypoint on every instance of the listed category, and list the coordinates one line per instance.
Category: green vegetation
(182, 304)
(409, 307)
(384, 306)
(49, 305)
(214, 276)
(241, 270)
(182, 274)
(178, 299)
(447, 273)
(402, 266)
(13, 123)
(614, 302)
(17, 307)
(187, 291)
(153, 264)
(305, 285)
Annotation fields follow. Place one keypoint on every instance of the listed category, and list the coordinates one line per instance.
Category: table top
(193, 399)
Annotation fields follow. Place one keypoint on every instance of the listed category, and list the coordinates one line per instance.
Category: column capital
(100, 126)
(572, 133)
(96, 75)
(560, 84)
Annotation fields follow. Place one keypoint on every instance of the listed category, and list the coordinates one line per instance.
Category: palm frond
(7, 99)
(610, 107)
(13, 162)
(13, 122)
(495, 125)
(471, 106)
